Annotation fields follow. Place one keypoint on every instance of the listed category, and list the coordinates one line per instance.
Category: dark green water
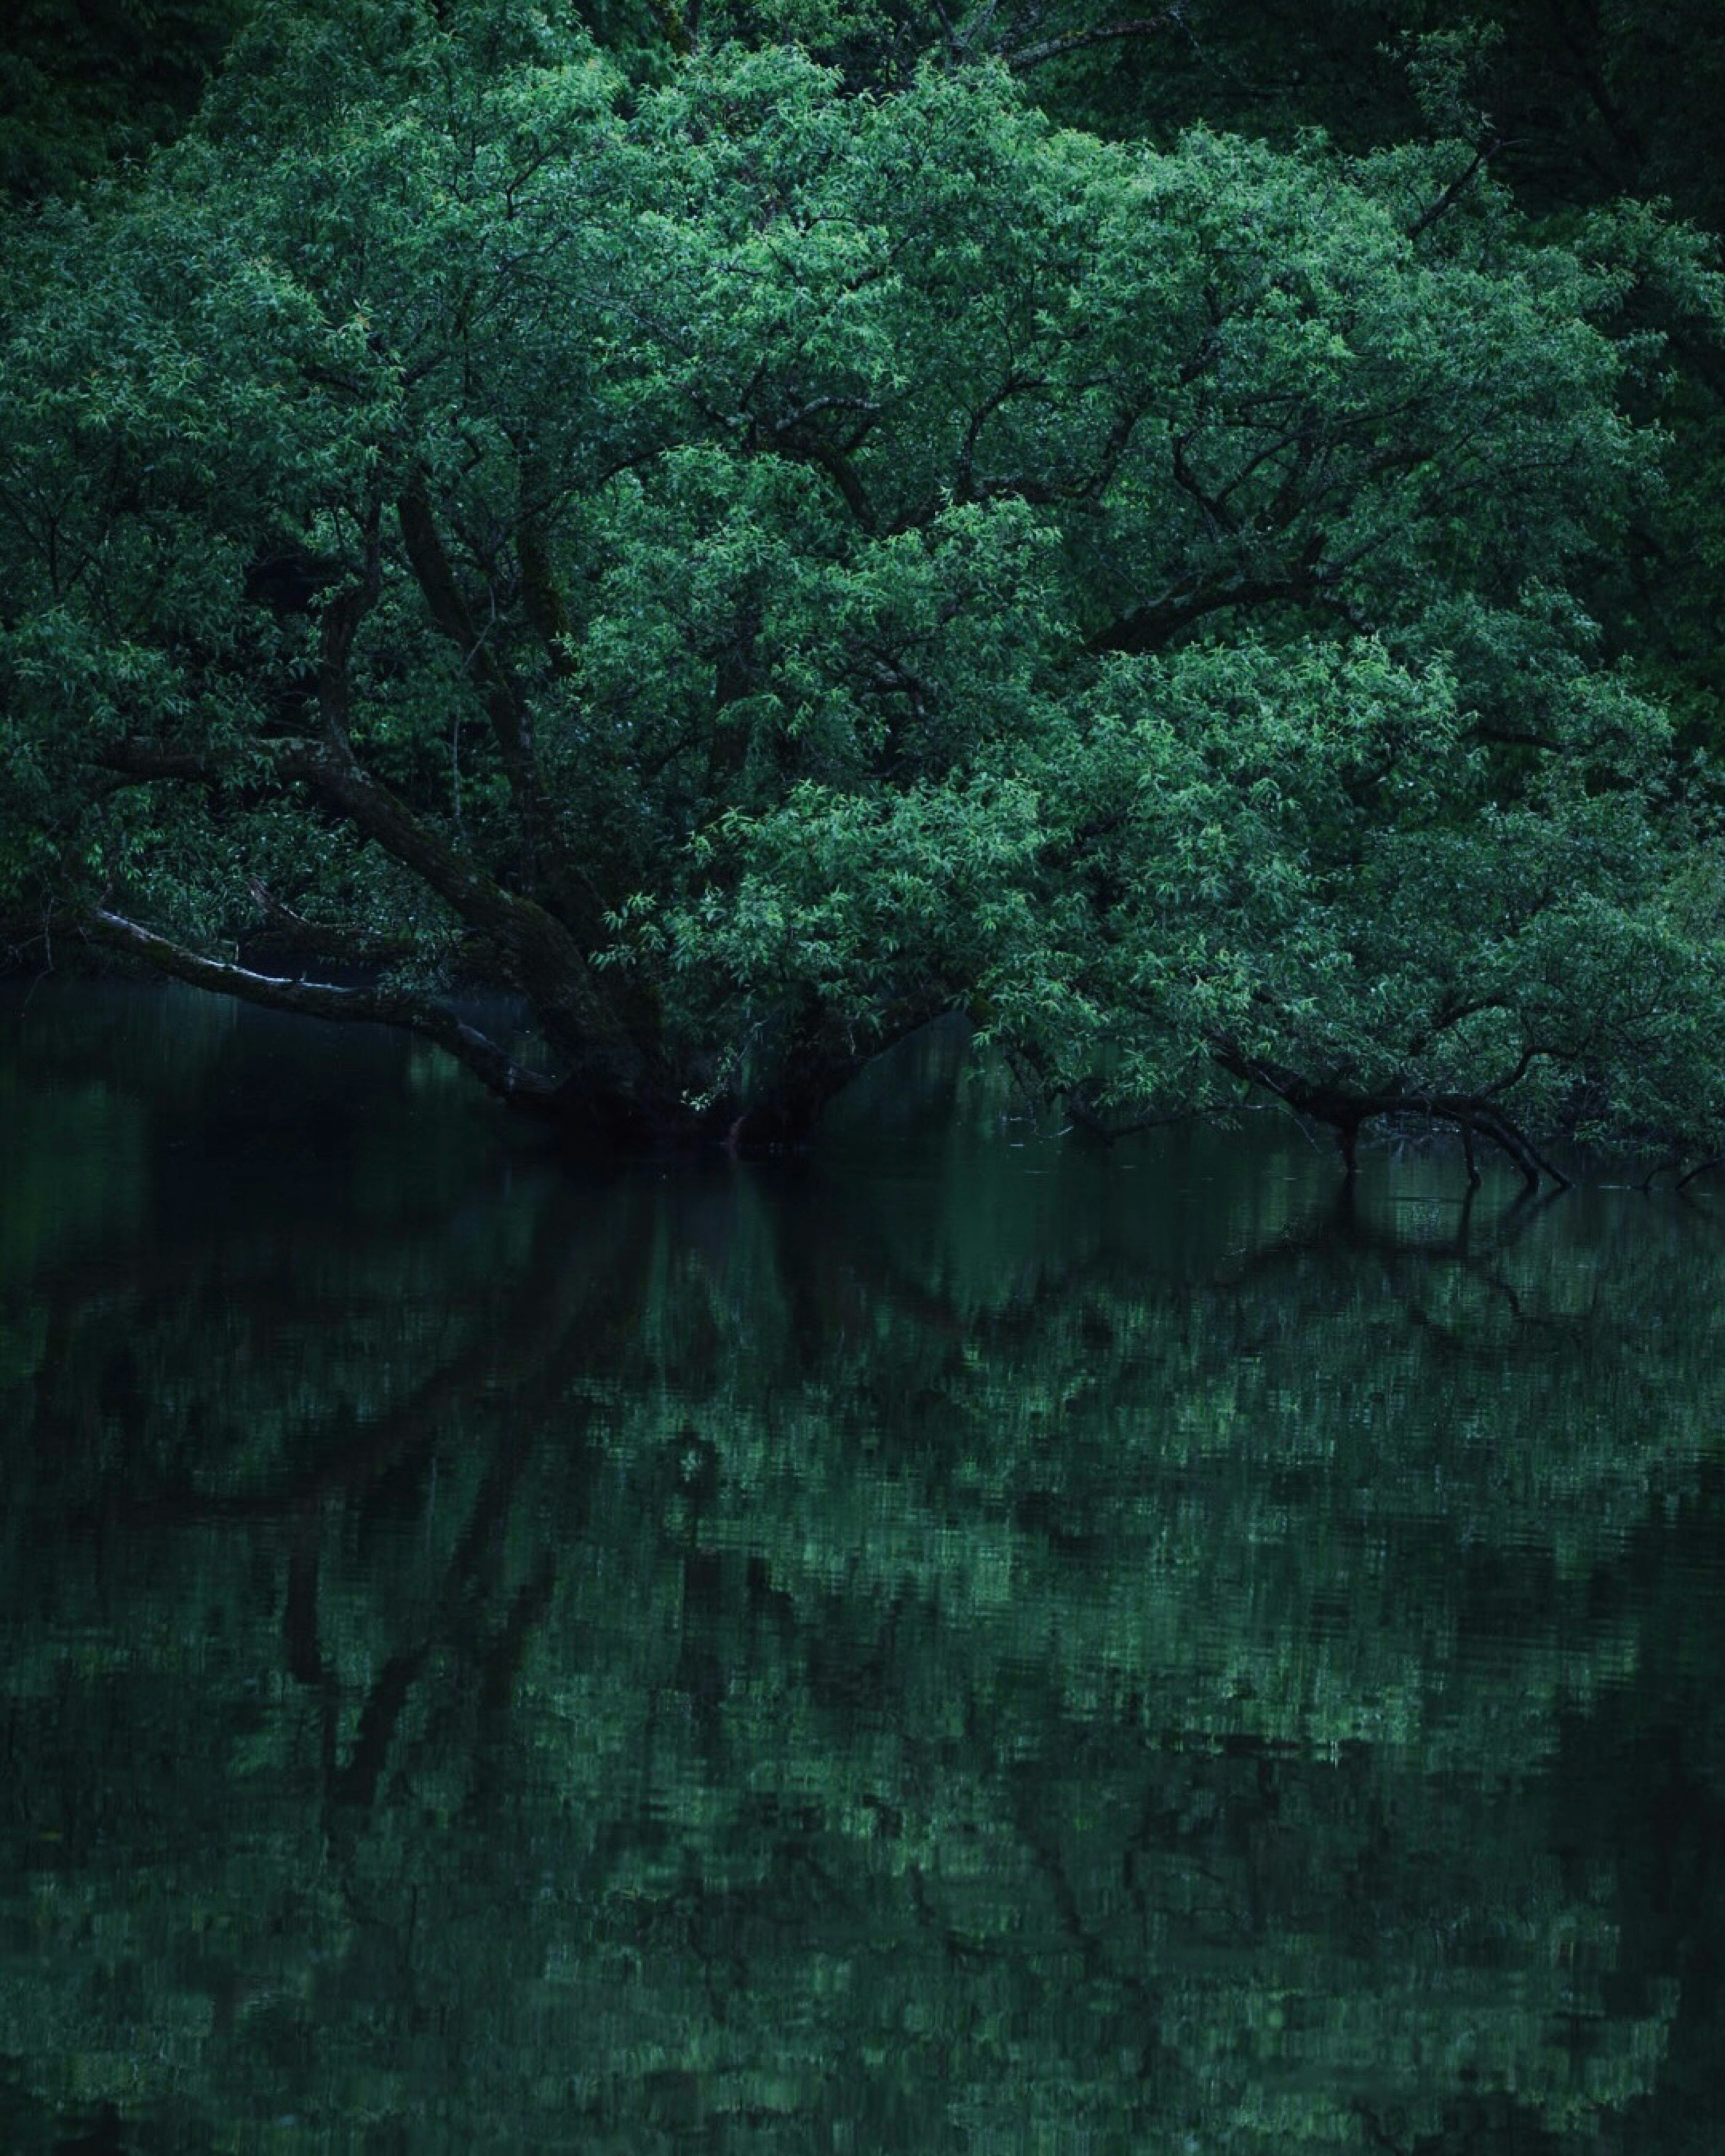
(972, 1645)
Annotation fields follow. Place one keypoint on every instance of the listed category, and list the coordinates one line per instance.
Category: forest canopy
(747, 552)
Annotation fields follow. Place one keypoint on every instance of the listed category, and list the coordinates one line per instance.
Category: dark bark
(1459, 186)
(1152, 628)
(613, 1091)
(1347, 1112)
(546, 863)
(540, 596)
(435, 577)
(1090, 1118)
(1073, 41)
(410, 1013)
(595, 1108)
(782, 1119)
(539, 956)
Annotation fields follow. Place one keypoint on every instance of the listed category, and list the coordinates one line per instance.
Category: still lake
(966, 1643)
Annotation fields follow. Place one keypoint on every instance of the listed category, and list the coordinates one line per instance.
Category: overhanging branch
(542, 957)
(1073, 41)
(392, 1007)
(1347, 1111)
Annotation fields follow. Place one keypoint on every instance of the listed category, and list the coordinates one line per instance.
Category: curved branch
(1702, 1167)
(392, 1007)
(1497, 1127)
(1151, 627)
(1072, 41)
(290, 938)
(1480, 1115)
(550, 964)
(838, 468)
(542, 958)
(1091, 1119)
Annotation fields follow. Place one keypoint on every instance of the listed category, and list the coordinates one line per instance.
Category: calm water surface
(970, 1644)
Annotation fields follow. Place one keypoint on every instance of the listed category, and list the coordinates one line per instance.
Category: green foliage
(747, 600)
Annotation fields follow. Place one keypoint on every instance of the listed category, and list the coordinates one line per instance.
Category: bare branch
(1450, 1015)
(1529, 1057)
(1460, 185)
(541, 956)
(1072, 41)
(141, 758)
(1347, 1111)
(1088, 1118)
(391, 1007)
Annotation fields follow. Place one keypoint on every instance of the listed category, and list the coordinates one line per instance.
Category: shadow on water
(966, 1642)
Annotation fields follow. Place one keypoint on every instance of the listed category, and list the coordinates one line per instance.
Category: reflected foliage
(982, 1645)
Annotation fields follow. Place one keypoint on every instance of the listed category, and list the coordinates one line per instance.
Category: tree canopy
(748, 564)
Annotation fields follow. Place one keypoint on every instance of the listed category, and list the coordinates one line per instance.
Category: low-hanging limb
(476, 1051)
(614, 1089)
(1036, 1079)
(1491, 1122)
(1090, 1118)
(1473, 1115)
(543, 959)
(1669, 1166)
(288, 939)
(824, 1056)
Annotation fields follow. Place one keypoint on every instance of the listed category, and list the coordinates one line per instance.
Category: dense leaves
(749, 568)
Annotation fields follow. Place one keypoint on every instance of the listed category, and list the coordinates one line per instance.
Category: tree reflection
(943, 1656)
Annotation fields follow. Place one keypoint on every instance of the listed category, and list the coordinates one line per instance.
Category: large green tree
(747, 568)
